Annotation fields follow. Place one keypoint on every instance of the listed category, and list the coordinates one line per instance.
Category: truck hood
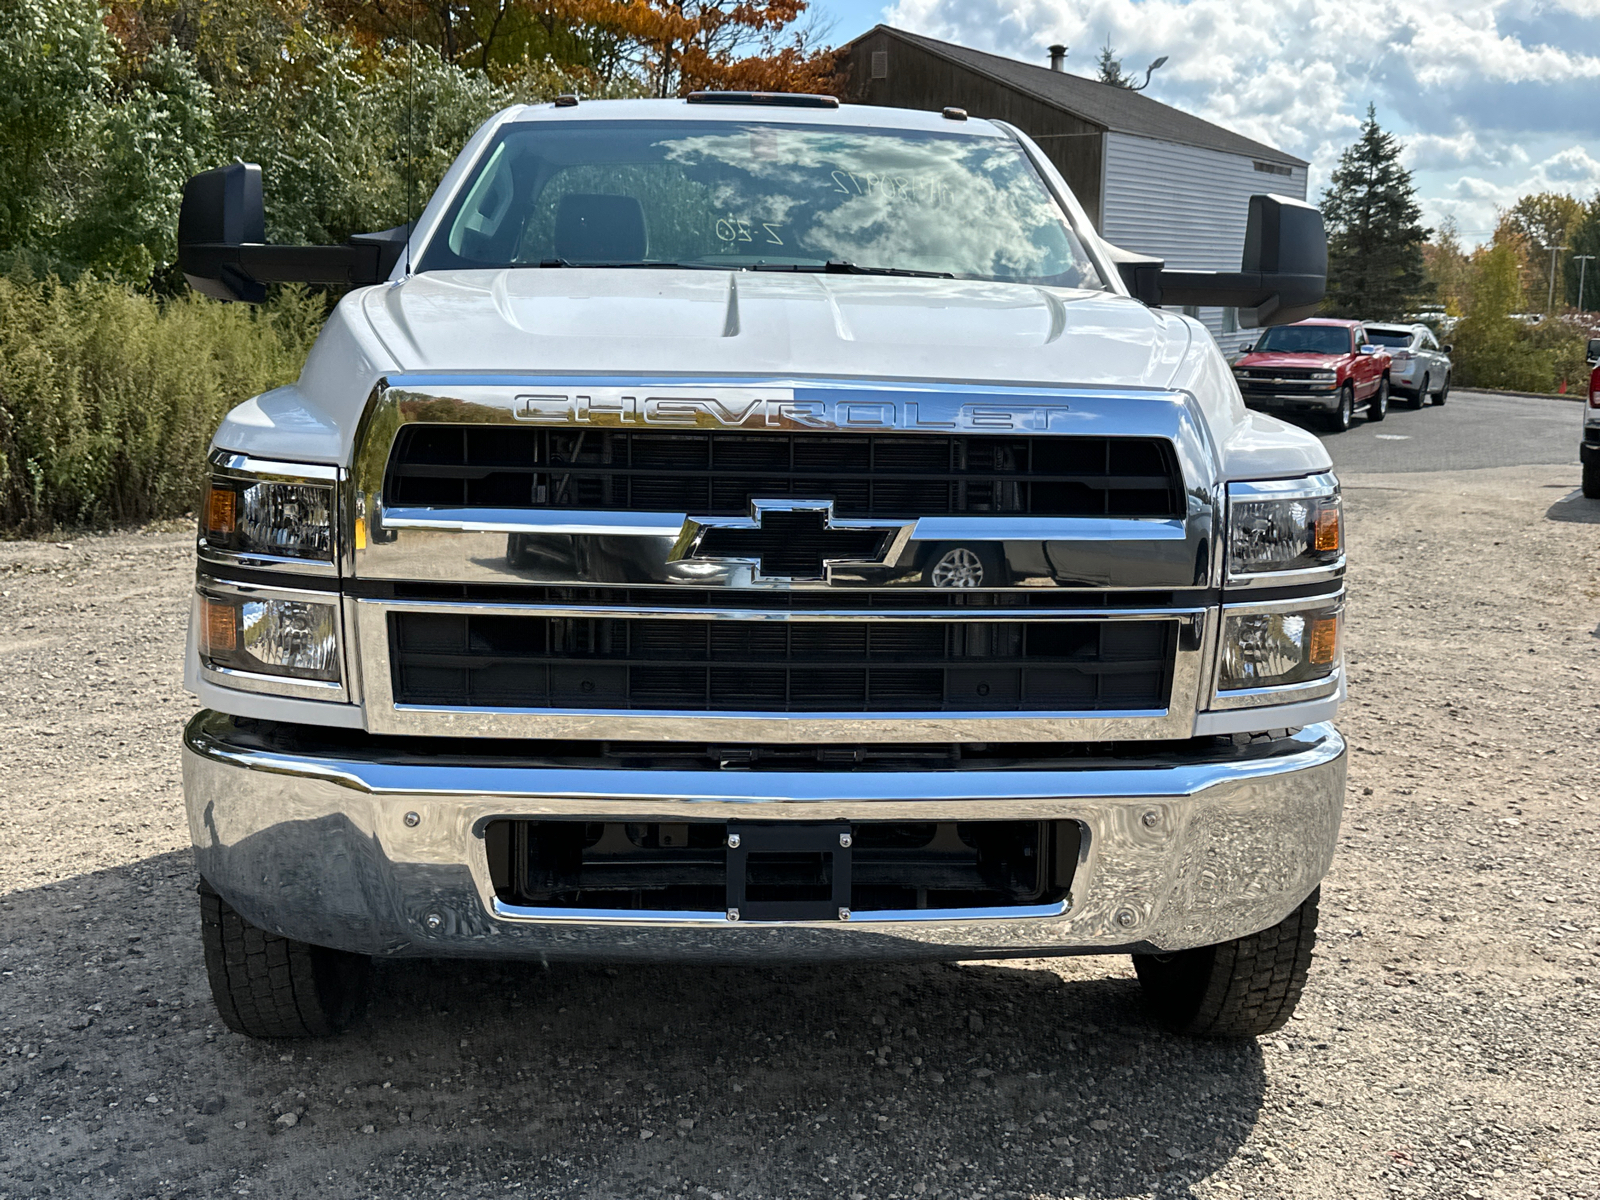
(1311, 362)
(642, 323)
(747, 323)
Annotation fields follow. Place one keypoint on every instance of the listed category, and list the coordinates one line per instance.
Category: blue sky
(1493, 98)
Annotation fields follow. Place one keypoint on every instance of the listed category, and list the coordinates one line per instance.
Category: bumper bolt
(733, 841)
(845, 839)
(733, 914)
(433, 922)
(844, 914)
(1151, 819)
(1127, 918)
(412, 820)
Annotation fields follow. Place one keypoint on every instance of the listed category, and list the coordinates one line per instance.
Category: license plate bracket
(789, 871)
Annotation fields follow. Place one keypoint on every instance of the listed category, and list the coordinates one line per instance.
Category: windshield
(1306, 339)
(727, 194)
(1395, 339)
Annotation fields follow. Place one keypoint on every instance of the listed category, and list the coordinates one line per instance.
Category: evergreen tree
(1109, 67)
(1375, 238)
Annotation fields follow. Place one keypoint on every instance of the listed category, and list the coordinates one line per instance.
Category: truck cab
(745, 529)
(1325, 367)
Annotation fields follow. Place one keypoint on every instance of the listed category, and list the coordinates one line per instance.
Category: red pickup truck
(1322, 366)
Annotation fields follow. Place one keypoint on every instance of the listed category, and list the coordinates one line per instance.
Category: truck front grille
(453, 659)
(718, 472)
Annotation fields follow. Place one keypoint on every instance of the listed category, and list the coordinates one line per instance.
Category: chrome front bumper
(355, 850)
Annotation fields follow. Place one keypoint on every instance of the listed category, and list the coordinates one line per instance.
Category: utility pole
(1583, 261)
(1550, 305)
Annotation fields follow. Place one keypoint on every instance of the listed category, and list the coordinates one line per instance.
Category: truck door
(1365, 372)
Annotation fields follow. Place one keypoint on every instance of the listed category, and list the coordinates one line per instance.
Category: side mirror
(222, 247)
(1366, 348)
(1282, 277)
(1593, 352)
(1248, 348)
(1449, 349)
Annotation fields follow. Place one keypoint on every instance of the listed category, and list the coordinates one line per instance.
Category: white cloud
(1468, 86)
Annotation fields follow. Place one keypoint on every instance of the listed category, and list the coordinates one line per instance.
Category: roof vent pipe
(1058, 57)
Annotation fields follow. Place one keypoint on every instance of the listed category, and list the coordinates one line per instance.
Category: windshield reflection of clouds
(965, 205)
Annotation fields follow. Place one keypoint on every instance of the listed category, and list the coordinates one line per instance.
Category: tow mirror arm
(223, 251)
(1282, 278)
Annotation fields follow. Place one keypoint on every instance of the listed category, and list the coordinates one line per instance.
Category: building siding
(1185, 205)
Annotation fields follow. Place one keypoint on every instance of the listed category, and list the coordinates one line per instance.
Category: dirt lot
(1445, 1048)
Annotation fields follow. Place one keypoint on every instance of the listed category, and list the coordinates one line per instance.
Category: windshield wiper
(841, 266)
(561, 262)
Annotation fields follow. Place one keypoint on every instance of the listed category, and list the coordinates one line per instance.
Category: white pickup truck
(748, 528)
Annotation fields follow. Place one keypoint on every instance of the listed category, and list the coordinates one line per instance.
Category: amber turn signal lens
(1328, 529)
(222, 506)
(222, 627)
(1324, 640)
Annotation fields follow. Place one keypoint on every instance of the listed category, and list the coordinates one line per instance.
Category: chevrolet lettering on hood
(780, 409)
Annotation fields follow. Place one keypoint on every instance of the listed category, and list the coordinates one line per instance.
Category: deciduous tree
(1545, 221)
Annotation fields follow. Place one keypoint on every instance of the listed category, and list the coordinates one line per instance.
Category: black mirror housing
(223, 253)
(222, 207)
(1594, 351)
(1283, 273)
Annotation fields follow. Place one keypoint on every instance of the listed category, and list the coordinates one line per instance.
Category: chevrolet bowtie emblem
(793, 539)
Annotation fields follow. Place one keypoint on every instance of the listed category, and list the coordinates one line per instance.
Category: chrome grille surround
(1039, 556)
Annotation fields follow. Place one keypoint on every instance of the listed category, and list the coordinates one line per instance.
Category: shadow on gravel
(469, 1079)
(1573, 507)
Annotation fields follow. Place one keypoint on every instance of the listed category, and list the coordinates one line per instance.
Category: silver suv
(1421, 367)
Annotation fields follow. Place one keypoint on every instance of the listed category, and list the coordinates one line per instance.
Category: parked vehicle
(1589, 448)
(744, 528)
(1419, 367)
(1323, 366)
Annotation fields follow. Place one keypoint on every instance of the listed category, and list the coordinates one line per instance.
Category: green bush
(109, 397)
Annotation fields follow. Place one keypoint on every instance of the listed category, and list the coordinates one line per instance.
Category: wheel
(1420, 397)
(1591, 479)
(268, 986)
(1339, 420)
(1239, 989)
(1443, 393)
(1378, 406)
(947, 565)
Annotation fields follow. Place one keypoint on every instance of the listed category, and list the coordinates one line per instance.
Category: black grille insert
(456, 659)
(718, 472)
(782, 871)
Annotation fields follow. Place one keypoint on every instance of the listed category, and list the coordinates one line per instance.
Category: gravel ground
(1444, 1048)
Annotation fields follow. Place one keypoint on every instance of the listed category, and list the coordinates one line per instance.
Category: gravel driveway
(1446, 1045)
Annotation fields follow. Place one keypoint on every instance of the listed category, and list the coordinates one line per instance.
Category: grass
(109, 397)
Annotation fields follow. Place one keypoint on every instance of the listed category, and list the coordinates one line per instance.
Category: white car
(1420, 369)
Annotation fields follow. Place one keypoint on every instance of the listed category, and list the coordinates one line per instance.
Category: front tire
(1339, 420)
(1444, 392)
(1420, 397)
(1238, 989)
(1378, 406)
(269, 986)
(1591, 479)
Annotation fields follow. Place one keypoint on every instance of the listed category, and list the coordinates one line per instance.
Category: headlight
(298, 639)
(1281, 647)
(1325, 376)
(1284, 525)
(278, 512)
